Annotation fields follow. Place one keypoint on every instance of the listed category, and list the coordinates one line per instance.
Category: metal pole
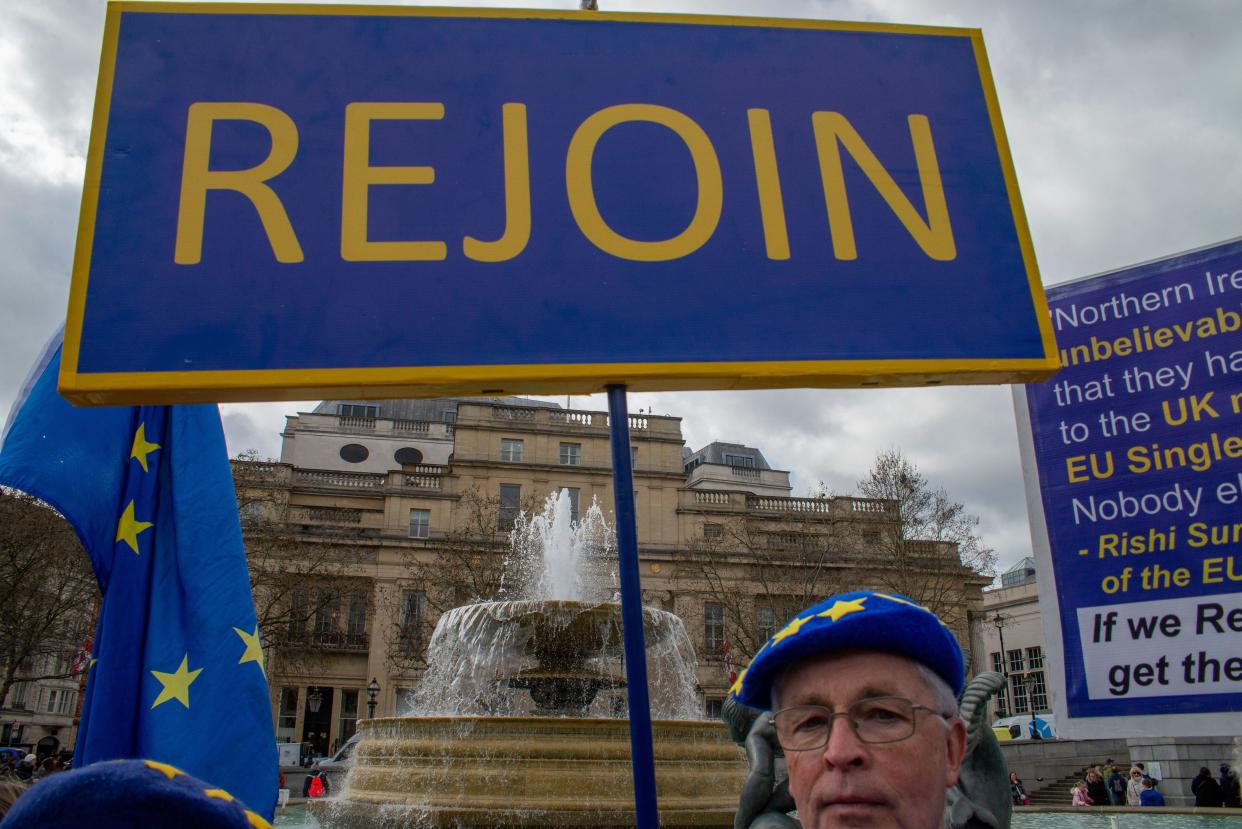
(641, 753)
(999, 621)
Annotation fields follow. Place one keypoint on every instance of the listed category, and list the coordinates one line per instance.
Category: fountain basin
(532, 772)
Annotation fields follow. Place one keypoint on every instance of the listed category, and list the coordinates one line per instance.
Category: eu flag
(178, 668)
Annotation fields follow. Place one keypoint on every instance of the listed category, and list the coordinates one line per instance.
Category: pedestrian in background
(1149, 796)
(1134, 789)
(1116, 785)
(1080, 796)
(1229, 787)
(1206, 790)
(1096, 788)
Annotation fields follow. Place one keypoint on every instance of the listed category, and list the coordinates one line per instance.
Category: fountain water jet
(509, 727)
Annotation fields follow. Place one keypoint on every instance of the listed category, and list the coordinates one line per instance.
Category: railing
(570, 416)
(638, 422)
(352, 480)
(779, 504)
(331, 640)
(418, 481)
(748, 472)
(413, 426)
(876, 505)
(366, 424)
(334, 515)
(707, 496)
(514, 412)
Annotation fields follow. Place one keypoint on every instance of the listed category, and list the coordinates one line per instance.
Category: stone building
(1011, 615)
(40, 715)
(381, 515)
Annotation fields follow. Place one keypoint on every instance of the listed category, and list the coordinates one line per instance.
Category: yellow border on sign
(293, 384)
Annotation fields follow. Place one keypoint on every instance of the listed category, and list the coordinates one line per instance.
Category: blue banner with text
(1138, 443)
(287, 200)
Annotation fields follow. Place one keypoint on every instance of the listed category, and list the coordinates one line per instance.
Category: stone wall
(1055, 759)
(1180, 759)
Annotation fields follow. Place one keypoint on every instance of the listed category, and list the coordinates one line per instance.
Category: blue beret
(862, 620)
(120, 794)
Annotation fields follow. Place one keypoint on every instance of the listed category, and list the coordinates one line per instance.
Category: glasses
(874, 720)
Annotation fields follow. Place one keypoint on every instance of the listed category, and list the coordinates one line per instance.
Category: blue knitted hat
(121, 794)
(862, 620)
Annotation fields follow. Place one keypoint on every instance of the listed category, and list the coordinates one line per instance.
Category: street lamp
(314, 699)
(1030, 701)
(999, 620)
(373, 690)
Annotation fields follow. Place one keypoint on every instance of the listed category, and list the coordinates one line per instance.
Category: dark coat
(1207, 791)
(1098, 793)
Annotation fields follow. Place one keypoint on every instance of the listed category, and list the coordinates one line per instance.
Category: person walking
(1229, 788)
(1149, 796)
(1080, 796)
(1134, 789)
(1096, 788)
(1017, 791)
(1206, 790)
(1116, 786)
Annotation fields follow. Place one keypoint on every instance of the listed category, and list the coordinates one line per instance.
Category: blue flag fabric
(178, 670)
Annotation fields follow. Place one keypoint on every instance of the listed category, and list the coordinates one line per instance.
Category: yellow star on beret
(842, 608)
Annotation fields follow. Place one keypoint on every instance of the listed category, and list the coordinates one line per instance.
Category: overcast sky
(1124, 121)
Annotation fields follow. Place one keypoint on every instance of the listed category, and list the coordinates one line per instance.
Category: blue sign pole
(641, 754)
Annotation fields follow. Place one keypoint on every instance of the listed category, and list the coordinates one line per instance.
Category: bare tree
(759, 571)
(933, 546)
(472, 562)
(47, 592)
(309, 594)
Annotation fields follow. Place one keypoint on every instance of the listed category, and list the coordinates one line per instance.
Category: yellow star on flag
(840, 608)
(254, 650)
(176, 685)
(790, 629)
(141, 447)
(128, 527)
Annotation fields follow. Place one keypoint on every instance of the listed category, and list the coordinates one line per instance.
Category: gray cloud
(1123, 123)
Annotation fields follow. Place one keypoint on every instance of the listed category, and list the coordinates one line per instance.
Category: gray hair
(943, 699)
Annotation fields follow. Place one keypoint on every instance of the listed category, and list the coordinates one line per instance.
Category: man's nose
(844, 748)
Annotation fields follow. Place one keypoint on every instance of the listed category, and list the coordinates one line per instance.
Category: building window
(510, 505)
(408, 456)
(450, 416)
(713, 628)
(745, 461)
(571, 454)
(327, 614)
(1035, 658)
(299, 613)
(357, 624)
(573, 501)
(420, 523)
(511, 450)
(1019, 694)
(349, 716)
(354, 453)
(287, 718)
(633, 457)
(1015, 661)
(1039, 693)
(66, 702)
(713, 531)
(765, 621)
(353, 410)
(413, 606)
(405, 702)
(1002, 696)
(51, 701)
(714, 708)
(18, 696)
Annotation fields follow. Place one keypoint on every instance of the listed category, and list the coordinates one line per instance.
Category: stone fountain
(519, 720)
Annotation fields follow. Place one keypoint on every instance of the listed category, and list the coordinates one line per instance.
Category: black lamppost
(373, 690)
(314, 699)
(999, 620)
(1030, 701)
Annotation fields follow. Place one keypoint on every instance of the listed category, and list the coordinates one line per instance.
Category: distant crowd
(1108, 785)
(19, 772)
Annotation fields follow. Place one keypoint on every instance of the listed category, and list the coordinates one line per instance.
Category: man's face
(849, 783)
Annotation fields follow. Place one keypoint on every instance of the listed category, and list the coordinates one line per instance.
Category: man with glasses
(863, 693)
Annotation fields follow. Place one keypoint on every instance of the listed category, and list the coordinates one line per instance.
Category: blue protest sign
(298, 201)
(1134, 469)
